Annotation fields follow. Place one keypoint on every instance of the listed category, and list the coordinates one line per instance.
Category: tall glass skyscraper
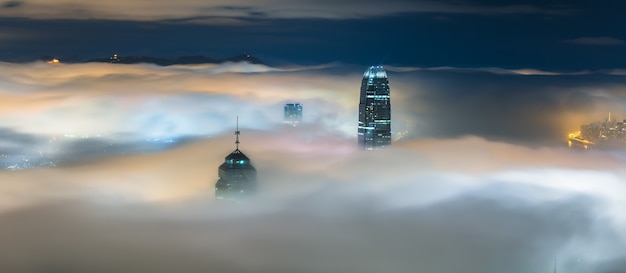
(374, 109)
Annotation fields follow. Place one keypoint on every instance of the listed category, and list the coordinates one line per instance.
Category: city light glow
(133, 152)
(258, 136)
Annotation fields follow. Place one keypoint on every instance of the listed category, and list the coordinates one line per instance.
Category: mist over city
(231, 151)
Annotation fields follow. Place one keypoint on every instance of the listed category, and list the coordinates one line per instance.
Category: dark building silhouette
(374, 109)
(293, 113)
(237, 176)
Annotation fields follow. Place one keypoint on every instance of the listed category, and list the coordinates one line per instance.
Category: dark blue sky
(556, 35)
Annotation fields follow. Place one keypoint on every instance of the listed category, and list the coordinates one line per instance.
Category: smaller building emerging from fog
(293, 113)
(237, 176)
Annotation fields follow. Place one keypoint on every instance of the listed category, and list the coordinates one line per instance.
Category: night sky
(555, 35)
(112, 167)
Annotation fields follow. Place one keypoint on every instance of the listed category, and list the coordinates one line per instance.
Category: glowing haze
(481, 182)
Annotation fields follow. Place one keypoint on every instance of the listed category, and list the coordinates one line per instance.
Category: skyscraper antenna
(554, 264)
(237, 134)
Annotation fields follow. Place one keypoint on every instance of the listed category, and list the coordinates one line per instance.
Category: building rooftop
(375, 72)
(236, 155)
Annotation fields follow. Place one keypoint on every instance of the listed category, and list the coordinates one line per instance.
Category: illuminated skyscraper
(293, 113)
(374, 109)
(237, 176)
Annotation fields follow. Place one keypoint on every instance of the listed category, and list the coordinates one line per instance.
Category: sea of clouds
(481, 183)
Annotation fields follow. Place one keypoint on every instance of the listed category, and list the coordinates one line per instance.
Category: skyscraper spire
(237, 133)
(554, 264)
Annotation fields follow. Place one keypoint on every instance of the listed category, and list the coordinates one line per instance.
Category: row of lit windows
(378, 97)
(240, 162)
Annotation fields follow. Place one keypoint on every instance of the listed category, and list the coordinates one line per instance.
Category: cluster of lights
(375, 72)
(575, 137)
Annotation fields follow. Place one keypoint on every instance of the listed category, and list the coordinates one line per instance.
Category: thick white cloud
(142, 101)
(153, 101)
(429, 205)
(324, 206)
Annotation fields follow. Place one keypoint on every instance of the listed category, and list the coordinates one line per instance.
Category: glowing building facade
(609, 134)
(293, 113)
(374, 109)
(237, 176)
